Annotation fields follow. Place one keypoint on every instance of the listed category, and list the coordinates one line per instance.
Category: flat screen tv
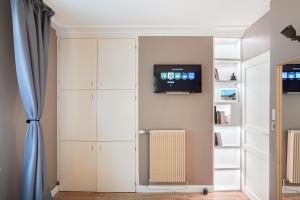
(291, 78)
(177, 78)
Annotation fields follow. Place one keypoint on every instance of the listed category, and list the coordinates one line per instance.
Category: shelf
(227, 179)
(227, 167)
(227, 157)
(224, 125)
(228, 59)
(228, 147)
(227, 81)
(224, 103)
(227, 188)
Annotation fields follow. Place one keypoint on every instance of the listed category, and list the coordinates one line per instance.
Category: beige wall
(193, 113)
(12, 116)
(257, 37)
(49, 117)
(283, 13)
(9, 155)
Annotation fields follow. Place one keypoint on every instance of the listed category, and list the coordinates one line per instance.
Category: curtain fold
(31, 26)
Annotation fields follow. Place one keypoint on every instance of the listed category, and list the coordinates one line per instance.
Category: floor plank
(291, 197)
(150, 196)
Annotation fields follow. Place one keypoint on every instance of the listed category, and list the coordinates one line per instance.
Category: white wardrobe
(97, 114)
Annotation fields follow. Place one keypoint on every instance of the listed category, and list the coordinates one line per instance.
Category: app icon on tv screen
(177, 75)
(184, 76)
(170, 75)
(163, 75)
(191, 75)
(291, 75)
(284, 75)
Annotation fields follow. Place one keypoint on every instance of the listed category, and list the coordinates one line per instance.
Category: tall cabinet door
(116, 115)
(116, 64)
(77, 62)
(78, 166)
(116, 167)
(77, 115)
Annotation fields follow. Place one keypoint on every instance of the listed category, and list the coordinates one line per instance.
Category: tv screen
(177, 78)
(291, 78)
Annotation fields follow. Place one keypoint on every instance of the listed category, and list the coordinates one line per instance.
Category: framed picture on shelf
(228, 95)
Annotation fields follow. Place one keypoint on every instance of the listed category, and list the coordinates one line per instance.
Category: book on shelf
(216, 73)
(221, 118)
(218, 139)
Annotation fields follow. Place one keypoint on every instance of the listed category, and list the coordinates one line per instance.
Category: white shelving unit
(227, 155)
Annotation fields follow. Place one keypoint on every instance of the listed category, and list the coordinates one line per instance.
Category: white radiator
(167, 156)
(293, 156)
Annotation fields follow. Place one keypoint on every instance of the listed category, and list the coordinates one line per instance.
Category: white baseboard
(290, 189)
(172, 188)
(249, 193)
(54, 191)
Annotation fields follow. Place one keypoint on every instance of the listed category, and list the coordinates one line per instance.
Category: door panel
(256, 111)
(257, 140)
(77, 115)
(116, 64)
(77, 64)
(116, 115)
(116, 167)
(257, 177)
(257, 95)
(78, 166)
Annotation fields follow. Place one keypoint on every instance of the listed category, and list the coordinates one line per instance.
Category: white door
(78, 166)
(77, 61)
(116, 167)
(116, 64)
(116, 115)
(77, 115)
(256, 110)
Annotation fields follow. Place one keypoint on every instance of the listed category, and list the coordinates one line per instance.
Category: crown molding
(145, 30)
(55, 24)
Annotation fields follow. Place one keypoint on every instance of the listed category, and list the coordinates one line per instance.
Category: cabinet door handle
(92, 84)
(92, 147)
(100, 148)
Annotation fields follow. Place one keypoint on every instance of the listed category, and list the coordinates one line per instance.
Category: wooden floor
(291, 197)
(148, 196)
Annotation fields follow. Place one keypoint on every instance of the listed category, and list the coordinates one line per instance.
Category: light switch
(273, 115)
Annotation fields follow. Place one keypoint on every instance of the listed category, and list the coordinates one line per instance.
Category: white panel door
(77, 115)
(78, 166)
(256, 110)
(116, 64)
(116, 115)
(77, 63)
(116, 167)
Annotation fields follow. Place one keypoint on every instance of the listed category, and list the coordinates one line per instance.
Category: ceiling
(157, 13)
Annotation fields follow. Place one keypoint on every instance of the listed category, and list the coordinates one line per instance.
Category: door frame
(278, 131)
(278, 126)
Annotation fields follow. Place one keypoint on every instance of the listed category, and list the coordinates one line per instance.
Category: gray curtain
(31, 23)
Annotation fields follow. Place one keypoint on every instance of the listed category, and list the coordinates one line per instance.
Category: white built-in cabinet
(77, 115)
(97, 114)
(78, 166)
(77, 60)
(118, 105)
(116, 64)
(116, 167)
